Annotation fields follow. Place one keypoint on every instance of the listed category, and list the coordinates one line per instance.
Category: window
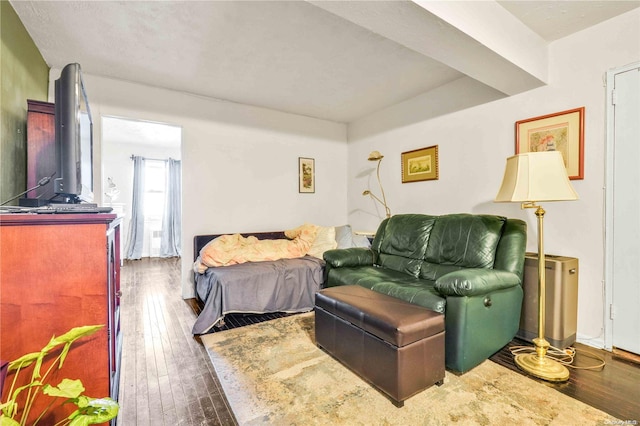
(155, 182)
(154, 195)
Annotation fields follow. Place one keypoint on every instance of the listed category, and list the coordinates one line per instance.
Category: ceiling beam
(479, 39)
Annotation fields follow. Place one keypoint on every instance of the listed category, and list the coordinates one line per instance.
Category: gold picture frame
(420, 164)
(306, 175)
(562, 131)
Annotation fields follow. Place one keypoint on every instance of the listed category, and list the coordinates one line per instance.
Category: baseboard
(629, 356)
(595, 342)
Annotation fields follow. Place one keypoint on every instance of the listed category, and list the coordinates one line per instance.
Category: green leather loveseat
(468, 267)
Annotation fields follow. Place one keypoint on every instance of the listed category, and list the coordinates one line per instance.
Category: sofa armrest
(475, 281)
(350, 257)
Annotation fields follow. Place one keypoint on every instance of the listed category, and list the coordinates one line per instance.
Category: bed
(283, 285)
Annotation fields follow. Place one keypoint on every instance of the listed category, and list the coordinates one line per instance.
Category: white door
(623, 209)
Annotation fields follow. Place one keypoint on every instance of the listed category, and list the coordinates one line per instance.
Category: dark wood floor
(168, 379)
(166, 376)
(615, 389)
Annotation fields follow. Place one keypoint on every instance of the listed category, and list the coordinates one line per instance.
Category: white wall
(474, 143)
(239, 163)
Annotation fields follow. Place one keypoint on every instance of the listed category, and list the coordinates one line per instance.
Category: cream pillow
(325, 240)
(344, 236)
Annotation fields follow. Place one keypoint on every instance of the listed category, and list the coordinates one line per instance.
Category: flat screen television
(73, 181)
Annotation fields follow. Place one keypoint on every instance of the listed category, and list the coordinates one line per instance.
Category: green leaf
(96, 411)
(6, 421)
(68, 337)
(8, 408)
(23, 361)
(66, 389)
(76, 333)
(33, 384)
(91, 411)
(71, 336)
(83, 401)
(52, 344)
(36, 369)
(63, 354)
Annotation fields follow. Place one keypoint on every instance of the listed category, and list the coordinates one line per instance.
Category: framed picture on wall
(561, 131)
(306, 175)
(420, 164)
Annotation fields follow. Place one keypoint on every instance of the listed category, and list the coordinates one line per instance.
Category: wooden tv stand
(59, 271)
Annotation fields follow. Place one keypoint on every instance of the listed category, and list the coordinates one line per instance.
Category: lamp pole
(384, 199)
(376, 156)
(542, 344)
(540, 365)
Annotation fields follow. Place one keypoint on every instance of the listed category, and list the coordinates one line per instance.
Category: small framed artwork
(562, 131)
(306, 175)
(420, 164)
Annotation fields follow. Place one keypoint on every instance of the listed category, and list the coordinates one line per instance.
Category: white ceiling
(125, 131)
(334, 60)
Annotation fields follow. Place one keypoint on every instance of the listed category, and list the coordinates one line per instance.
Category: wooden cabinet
(59, 271)
(41, 147)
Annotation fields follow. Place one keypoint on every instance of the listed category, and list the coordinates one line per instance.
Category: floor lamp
(528, 179)
(376, 156)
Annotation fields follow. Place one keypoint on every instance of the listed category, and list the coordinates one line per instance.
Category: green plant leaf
(71, 336)
(32, 384)
(82, 401)
(52, 344)
(36, 369)
(91, 411)
(66, 389)
(23, 361)
(63, 354)
(94, 411)
(76, 333)
(6, 421)
(8, 408)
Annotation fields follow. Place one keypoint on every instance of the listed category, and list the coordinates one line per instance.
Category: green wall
(23, 75)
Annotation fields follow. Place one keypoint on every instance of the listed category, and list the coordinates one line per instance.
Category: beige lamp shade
(536, 176)
(375, 156)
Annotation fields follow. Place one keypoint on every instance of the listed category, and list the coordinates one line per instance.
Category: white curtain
(135, 239)
(172, 216)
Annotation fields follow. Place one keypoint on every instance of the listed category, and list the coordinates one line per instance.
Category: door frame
(105, 141)
(609, 185)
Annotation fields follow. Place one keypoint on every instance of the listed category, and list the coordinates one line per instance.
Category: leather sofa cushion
(393, 283)
(461, 241)
(392, 320)
(402, 247)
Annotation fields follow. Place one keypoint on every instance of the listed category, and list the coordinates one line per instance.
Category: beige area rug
(273, 373)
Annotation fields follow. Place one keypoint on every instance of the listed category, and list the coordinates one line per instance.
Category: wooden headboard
(200, 241)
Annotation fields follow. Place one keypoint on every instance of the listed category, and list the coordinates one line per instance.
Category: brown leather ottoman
(396, 346)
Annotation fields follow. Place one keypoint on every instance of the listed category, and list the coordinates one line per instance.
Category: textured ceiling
(337, 61)
(556, 19)
(124, 131)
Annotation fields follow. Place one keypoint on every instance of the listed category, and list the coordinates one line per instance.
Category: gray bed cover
(286, 285)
